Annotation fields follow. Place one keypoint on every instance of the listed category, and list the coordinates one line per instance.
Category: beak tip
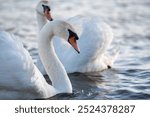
(78, 51)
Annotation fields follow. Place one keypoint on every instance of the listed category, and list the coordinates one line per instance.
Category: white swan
(95, 39)
(20, 78)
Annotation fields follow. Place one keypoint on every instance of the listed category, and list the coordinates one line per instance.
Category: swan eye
(73, 34)
(46, 8)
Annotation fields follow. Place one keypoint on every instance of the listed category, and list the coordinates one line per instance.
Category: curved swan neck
(52, 64)
(41, 20)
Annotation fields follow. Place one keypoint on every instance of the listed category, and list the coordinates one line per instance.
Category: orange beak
(47, 14)
(74, 44)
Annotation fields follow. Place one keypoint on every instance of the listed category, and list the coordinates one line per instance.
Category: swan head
(43, 8)
(65, 31)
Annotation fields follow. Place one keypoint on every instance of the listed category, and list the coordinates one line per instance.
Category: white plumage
(20, 78)
(95, 38)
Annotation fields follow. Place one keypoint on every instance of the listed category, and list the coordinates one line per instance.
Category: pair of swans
(95, 39)
(21, 79)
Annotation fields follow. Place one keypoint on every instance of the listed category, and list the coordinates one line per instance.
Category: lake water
(130, 20)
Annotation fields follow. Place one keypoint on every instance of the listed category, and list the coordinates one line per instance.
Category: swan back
(12, 57)
(95, 37)
(20, 79)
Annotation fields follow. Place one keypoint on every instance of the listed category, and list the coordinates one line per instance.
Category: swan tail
(112, 58)
(109, 57)
(107, 37)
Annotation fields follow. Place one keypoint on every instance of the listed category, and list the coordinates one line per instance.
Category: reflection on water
(130, 76)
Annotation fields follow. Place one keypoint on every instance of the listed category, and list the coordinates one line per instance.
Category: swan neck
(41, 20)
(52, 64)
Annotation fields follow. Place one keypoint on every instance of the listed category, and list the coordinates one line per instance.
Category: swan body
(95, 39)
(20, 78)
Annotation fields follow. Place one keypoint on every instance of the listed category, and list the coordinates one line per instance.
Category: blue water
(130, 76)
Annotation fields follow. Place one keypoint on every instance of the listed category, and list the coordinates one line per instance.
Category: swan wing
(95, 38)
(19, 77)
(92, 43)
